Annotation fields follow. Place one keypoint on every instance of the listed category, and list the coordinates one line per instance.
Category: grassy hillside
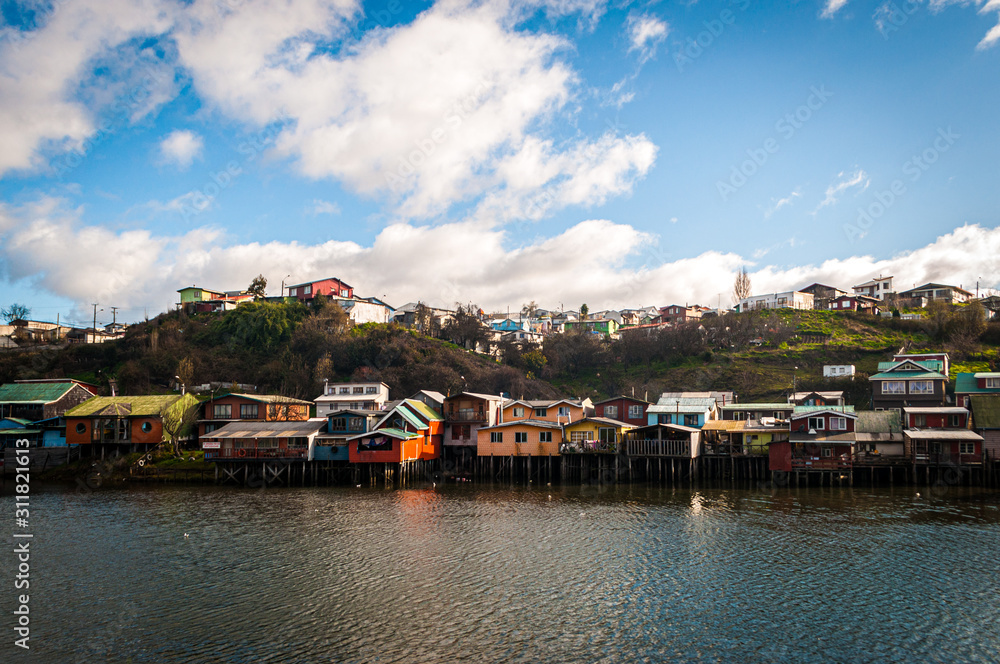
(290, 349)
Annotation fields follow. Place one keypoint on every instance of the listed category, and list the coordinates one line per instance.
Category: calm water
(488, 575)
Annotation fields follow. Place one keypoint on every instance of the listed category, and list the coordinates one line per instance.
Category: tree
(15, 312)
(258, 287)
(584, 310)
(185, 371)
(741, 286)
(529, 310)
(178, 420)
(465, 329)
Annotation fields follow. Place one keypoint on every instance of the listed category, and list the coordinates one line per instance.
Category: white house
(838, 371)
(879, 288)
(788, 299)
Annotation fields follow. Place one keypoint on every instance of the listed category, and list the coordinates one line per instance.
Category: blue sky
(618, 154)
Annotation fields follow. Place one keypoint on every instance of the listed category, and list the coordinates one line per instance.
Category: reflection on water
(558, 575)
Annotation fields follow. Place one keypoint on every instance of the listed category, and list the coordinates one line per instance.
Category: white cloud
(47, 243)
(856, 179)
(181, 147)
(993, 36)
(781, 202)
(832, 7)
(645, 33)
(319, 206)
(45, 108)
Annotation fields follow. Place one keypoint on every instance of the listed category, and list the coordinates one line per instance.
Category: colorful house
(742, 437)
(980, 383)
(940, 435)
(594, 434)
(522, 437)
(908, 383)
(235, 407)
(985, 411)
(35, 400)
(878, 437)
(464, 415)
(254, 440)
(819, 439)
(331, 442)
(351, 396)
(127, 423)
(688, 411)
(663, 440)
(756, 411)
(560, 411)
(624, 409)
(826, 398)
(410, 430)
(331, 287)
(605, 326)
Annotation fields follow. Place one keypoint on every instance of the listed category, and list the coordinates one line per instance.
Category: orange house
(561, 411)
(126, 423)
(521, 438)
(233, 407)
(412, 430)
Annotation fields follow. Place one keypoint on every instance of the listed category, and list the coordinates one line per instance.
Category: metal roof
(908, 375)
(389, 431)
(942, 434)
(37, 393)
(682, 405)
(299, 429)
(544, 424)
(265, 398)
(757, 406)
(986, 411)
(935, 410)
(872, 422)
(822, 438)
(725, 425)
(602, 420)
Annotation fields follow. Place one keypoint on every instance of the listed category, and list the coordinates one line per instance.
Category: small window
(827, 452)
(893, 387)
(345, 390)
(544, 436)
(610, 411)
(664, 419)
(816, 423)
(920, 420)
(967, 448)
(691, 420)
(222, 411)
(81, 427)
(921, 387)
(541, 412)
(146, 426)
(248, 411)
(292, 292)
(838, 424)
(520, 436)
(564, 411)
(359, 390)
(371, 390)
(635, 411)
(307, 290)
(496, 436)
(581, 436)
(343, 292)
(993, 383)
(956, 421)
(518, 411)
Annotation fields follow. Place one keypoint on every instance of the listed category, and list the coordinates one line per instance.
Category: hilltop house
(786, 300)
(879, 288)
(332, 287)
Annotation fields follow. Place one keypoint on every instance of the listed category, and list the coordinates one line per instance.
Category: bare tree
(741, 286)
(15, 312)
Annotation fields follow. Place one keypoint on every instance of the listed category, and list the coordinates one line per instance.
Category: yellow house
(561, 411)
(520, 438)
(595, 434)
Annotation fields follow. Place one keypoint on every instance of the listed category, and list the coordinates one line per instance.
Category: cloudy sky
(563, 151)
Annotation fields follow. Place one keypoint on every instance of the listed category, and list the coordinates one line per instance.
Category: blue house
(689, 411)
(331, 443)
(508, 325)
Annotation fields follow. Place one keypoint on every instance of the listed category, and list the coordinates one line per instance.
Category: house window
(461, 432)
(893, 387)
(967, 448)
(827, 452)
(919, 420)
(343, 292)
(248, 411)
(611, 411)
(544, 436)
(664, 419)
(520, 436)
(563, 411)
(581, 436)
(359, 390)
(518, 411)
(993, 383)
(778, 415)
(496, 436)
(838, 424)
(146, 426)
(209, 428)
(816, 423)
(307, 290)
(371, 390)
(81, 427)
(222, 411)
(956, 421)
(739, 415)
(345, 390)
(921, 387)
(635, 412)
(606, 435)
(691, 420)
(292, 292)
(541, 412)
(338, 424)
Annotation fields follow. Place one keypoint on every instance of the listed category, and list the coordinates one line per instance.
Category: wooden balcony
(466, 416)
(821, 463)
(659, 448)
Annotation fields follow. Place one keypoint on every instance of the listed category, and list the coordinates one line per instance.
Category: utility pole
(114, 315)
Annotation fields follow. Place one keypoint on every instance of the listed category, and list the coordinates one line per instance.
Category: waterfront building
(347, 396)
(126, 423)
(624, 409)
(940, 436)
(219, 411)
(331, 443)
(410, 431)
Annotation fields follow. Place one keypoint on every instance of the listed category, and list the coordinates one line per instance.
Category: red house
(819, 439)
(624, 409)
(332, 287)
(233, 407)
(940, 435)
(411, 430)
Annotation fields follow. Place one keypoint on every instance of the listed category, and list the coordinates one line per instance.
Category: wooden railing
(250, 453)
(821, 463)
(659, 448)
(589, 447)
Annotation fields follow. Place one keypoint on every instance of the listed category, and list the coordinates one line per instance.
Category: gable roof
(253, 429)
(918, 365)
(139, 406)
(968, 383)
(542, 424)
(878, 421)
(263, 398)
(601, 420)
(34, 393)
(682, 405)
(477, 395)
(626, 398)
(812, 411)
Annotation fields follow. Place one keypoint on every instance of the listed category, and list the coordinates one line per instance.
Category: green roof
(18, 432)
(878, 421)
(41, 393)
(967, 383)
(930, 365)
(985, 411)
(423, 409)
(395, 433)
(908, 375)
(125, 406)
(21, 421)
